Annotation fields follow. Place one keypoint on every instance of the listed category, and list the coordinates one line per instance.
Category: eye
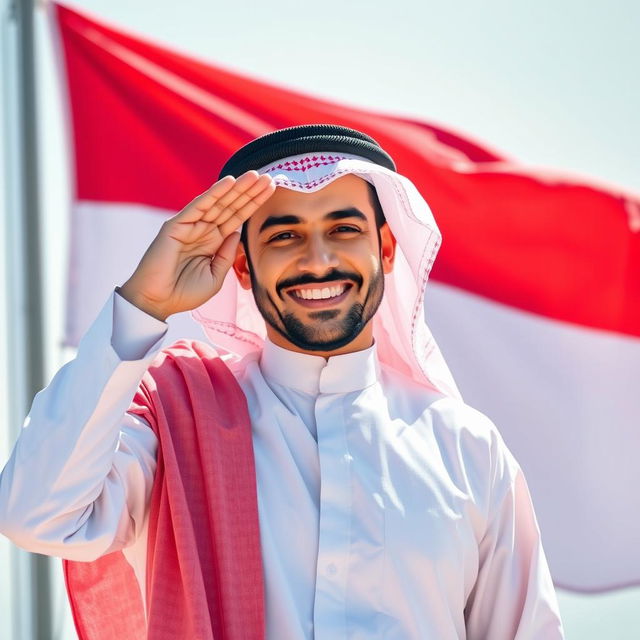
(346, 228)
(284, 235)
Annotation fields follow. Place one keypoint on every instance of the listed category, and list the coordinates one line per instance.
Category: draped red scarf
(204, 565)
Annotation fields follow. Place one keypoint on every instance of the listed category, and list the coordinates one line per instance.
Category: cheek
(269, 269)
(373, 263)
(361, 252)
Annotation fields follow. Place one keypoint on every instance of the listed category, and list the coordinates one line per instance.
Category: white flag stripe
(567, 401)
(108, 241)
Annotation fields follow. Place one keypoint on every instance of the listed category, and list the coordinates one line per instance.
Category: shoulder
(188, 360)
(464, 421)
(449, 414)
(467, 438)
(186, 348)
(190, 373)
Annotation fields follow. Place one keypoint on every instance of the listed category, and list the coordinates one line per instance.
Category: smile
(320, 295)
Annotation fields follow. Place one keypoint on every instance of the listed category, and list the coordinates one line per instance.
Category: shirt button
(332, 569)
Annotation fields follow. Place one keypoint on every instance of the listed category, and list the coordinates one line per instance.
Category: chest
(369, 504)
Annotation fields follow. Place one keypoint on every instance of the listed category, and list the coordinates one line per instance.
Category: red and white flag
(534, 298)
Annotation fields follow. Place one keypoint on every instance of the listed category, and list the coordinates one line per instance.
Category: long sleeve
(514, 597)
(80, 474)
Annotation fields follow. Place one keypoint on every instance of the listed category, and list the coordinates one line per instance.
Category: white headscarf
(404, 342)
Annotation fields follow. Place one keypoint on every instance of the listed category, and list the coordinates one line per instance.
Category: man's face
(316, 265)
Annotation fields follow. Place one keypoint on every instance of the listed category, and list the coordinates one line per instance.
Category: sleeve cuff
(135, 333)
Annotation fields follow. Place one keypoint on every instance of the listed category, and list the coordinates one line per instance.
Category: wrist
(142, 303)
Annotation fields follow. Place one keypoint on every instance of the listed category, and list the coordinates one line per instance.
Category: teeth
(320, 294)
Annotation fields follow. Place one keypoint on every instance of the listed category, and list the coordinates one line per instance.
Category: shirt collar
(313, 374)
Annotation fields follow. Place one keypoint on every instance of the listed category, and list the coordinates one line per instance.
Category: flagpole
(32, 346)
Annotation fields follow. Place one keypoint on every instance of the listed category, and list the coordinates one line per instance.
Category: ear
(387, 248)
(241, 267)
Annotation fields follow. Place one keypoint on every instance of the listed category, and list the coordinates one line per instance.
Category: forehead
(343, 192)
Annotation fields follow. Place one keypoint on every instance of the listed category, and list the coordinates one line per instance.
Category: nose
(318, 256)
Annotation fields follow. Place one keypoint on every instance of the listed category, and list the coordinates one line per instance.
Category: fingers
(202, 203)
(224, 257)
(228, 198)
(247, 188)
(235, 219)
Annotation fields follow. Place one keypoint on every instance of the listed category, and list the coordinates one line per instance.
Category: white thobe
(386, 510)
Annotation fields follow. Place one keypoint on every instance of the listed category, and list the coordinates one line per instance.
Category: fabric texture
(204, 565)
(305, 138)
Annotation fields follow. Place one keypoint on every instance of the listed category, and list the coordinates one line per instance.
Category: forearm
(78, 478)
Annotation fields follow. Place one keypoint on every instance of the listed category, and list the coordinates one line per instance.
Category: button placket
(335, 519)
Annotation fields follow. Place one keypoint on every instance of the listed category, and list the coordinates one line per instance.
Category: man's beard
(329, 333)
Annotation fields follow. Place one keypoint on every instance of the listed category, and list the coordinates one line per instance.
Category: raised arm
(79, 478)
(80, 474)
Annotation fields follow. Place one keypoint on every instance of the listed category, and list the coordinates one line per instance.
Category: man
(387, 508)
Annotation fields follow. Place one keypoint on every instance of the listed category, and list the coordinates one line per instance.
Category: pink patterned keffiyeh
(204, 565)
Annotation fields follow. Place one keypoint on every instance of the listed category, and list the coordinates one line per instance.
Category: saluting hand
(187, 261)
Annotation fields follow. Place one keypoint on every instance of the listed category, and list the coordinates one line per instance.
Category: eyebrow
(287, 219)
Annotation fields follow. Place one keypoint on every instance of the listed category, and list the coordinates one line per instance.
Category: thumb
(224, 257)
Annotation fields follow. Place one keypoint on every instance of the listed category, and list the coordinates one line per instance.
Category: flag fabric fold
(535, 299)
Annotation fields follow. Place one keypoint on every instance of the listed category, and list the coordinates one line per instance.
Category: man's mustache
(331, 276)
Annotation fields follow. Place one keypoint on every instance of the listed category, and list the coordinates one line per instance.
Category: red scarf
(204, 566)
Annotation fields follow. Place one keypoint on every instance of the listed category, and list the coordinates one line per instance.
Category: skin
(311, 248)
(186, 263)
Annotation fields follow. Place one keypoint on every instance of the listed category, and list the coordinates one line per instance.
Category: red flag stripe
(538, 240)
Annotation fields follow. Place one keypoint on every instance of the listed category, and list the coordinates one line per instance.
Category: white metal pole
(15, 583)
(17, 589)
(25, 326)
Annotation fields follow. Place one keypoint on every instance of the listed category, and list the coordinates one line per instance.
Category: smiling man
(321, 269)
(317, 475)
